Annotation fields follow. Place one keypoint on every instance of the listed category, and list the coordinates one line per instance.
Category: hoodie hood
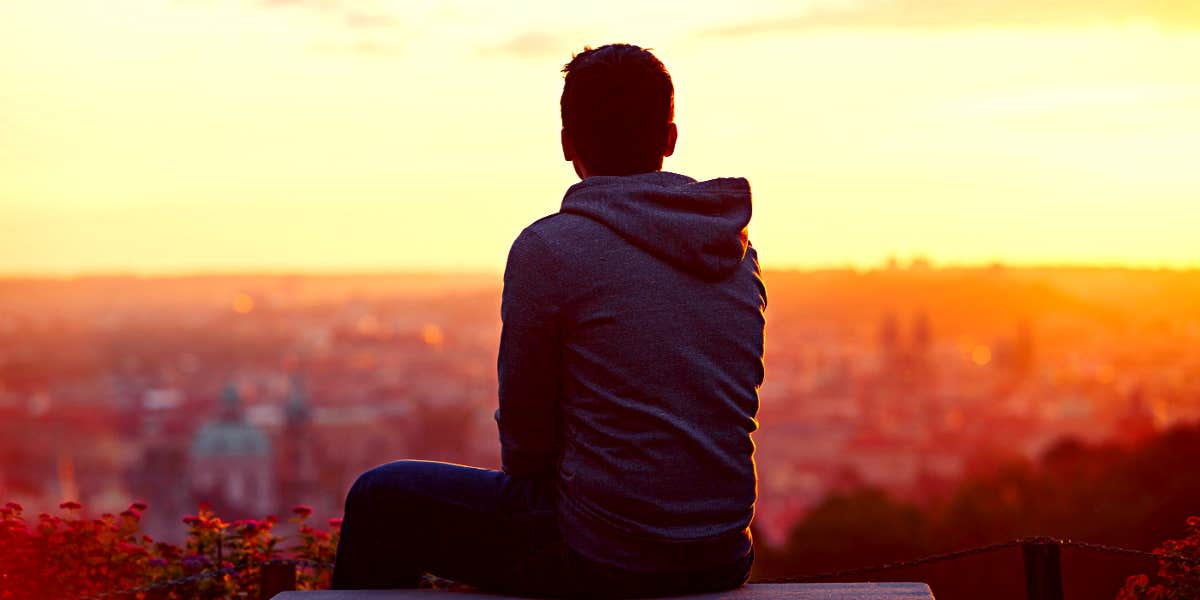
(698, 226)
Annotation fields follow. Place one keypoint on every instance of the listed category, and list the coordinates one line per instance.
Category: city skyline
(899, 379)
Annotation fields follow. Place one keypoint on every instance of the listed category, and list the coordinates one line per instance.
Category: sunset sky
(166, 136)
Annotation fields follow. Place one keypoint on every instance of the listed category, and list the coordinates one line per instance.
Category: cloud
(939, 14)
(321, 4)
(1050, 100)
(532, 44)
(356, 15)
(368, 20)
(361, 47)
(368, 28)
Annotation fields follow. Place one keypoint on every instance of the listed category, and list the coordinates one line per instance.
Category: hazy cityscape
(256, 393)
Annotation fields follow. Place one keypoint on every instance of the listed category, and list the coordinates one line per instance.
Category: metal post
(1043, 569)
(277, 577)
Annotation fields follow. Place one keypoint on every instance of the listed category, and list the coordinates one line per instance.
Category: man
(629, 368)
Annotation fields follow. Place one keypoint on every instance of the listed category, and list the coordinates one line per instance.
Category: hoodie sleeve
(530, 361)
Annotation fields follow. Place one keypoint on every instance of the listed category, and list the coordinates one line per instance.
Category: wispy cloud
(367, 20)
(531, 44)
(321, 4)
(367, 25)
(361, 47)
(353, 14)
(1050, 100)
(939, 14)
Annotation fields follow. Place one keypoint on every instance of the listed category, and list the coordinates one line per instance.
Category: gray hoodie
(630, 363)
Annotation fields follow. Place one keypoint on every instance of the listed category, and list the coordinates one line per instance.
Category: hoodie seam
(558, 297)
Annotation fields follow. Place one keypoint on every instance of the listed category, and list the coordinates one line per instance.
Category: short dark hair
(617, 103)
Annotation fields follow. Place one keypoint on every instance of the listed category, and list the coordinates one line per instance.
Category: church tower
(230, 462)
(297, 464)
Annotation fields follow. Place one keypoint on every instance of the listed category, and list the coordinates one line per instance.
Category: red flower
(138, 505)
(249, 525)
(302, 510)
(18, 508)
(335, 523)
(132, 559)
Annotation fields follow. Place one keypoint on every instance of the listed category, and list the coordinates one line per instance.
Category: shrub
(70, 555)
(1178, 576)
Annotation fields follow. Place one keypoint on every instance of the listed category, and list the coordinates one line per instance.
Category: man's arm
(530, 361)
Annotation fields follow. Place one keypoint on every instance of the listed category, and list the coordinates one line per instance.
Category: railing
(1043, 570)
(1041, 555)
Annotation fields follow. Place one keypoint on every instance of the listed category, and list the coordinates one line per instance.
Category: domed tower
(922, 335)
(297, 466)
(230, 462)
(890, 348)
(1023, 349)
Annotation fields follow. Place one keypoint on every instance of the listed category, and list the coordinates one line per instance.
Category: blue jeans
(486, 529)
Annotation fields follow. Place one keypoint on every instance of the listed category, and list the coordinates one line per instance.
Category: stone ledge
(762, 591)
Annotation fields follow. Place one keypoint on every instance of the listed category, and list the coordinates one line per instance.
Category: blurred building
(231, 463)
(296, 462)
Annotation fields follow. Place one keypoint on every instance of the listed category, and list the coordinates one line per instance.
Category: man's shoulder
(564, 231)
(558, 223)
(557, 243)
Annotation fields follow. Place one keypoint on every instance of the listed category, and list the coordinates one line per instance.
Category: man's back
(629, 367)
(657, 308)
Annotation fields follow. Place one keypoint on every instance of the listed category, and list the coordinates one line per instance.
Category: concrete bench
(765, 591)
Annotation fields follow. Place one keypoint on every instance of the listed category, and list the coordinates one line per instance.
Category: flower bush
(1178, 576)
(70, 555)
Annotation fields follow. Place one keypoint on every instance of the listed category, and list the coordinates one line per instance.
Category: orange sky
(160, 136)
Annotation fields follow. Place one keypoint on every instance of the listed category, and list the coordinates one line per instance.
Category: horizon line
(913, 265)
